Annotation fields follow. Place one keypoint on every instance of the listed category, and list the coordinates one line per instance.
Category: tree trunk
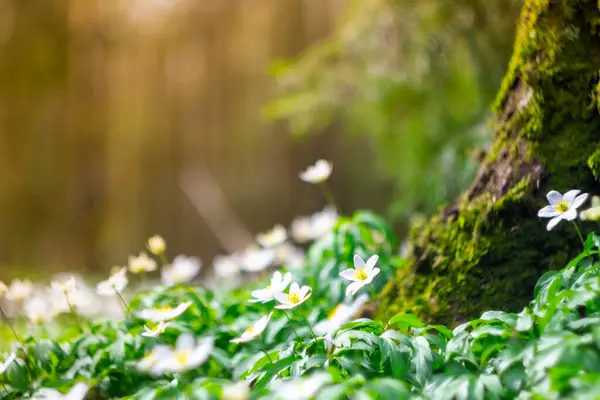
(488, 249)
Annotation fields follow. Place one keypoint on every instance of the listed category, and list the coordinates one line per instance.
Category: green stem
(163, 259)
(12, 328)
(291, 323)
(123, 302)
(580, 235)
(264, 350)
(380, 305)
(329, 195)
(308, 324)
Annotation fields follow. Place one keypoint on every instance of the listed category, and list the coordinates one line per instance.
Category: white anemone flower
(299, 389)
(317, 173)
(77, 392)
(156, 244)
(340, 315)
(6, 363)
(64, 284)
(256, 259)
(226, 266)
(183, 270)
(19, 290)
(158, 353)
(115, 284)
(158, 330)
(562, 206)
(165, 313)
(361, 275)
(272, 238)
(254, 330)
(38, 310)
(235, 391)
(278, 284)
(323, 222)
(592, 213)
(141, 263)
(289, 255)
(294, 297)
(188, 354)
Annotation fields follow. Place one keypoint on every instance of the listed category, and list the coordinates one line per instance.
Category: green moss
(490, 250)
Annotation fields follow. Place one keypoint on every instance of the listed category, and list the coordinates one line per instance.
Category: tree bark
(488, 249)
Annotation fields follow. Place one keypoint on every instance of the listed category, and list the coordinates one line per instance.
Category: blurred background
(120, 119)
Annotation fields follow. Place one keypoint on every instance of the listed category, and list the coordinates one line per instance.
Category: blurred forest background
(120, 119)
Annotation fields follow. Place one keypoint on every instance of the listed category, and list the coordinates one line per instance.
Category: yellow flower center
(181, 357)
(250, 329)
(163, 309)
(333, 312)
(150, 358)
(268, 287)
(360, 274)
(561, 206)
(293, 298)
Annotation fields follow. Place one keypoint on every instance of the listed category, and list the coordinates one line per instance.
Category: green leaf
(405, 321)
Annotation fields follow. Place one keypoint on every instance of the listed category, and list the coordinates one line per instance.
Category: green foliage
(416, 77)
(549, 350)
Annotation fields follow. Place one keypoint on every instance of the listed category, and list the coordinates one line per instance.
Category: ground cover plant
(310, 325)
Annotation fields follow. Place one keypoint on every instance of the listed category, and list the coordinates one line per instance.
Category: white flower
(301, 229)
(562, 207)
(141, 263)
(19, 290)
(278, 284)
(226, 266)
(3, 289)
(361, 275)
(299, 389)
(158, 330)
(255, 259)
(183, 270)
(294, 297)
(273, 238)
(591, 214)
(187, 355)
(254, 330)
(38, 310)
(235, 391)
(156, 244)
(289, 255)
(305, 229)
(6, 363)
(164, 313)
(157, 354)
(340, 315)
(64, 284)
(77, 392)
(116, 283)
(317, 173)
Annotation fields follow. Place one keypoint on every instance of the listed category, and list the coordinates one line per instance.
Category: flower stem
(329, 196)
(380, 305)
(163, 259)
(291, 322)
(12, 328)
(308, 324)
(123, 302)
(264, 350)
(580, 235)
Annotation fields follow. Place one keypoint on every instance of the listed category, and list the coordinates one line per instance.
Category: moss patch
(489, 249)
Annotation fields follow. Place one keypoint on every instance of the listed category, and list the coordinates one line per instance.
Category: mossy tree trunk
(488, 249)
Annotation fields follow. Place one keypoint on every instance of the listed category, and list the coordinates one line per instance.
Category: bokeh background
(120, 119)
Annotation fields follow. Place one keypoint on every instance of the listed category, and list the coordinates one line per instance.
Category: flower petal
(371, 263)
(554, 197)
(294, 288)
(579, 200)
(348, 274)
(285, 306)
(287, 278)
(548, 212)
(553, 222)
(281, 297)
(359, 262)
(304, 291)
(374, 272)
(570, 196)
(570, 214)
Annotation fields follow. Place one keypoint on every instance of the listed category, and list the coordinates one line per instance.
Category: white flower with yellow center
(273, 238)
(64, 284)
(38, 310)
(19, 290)
(254, 330)
(278, 284)
(156, 244)
(165, 313)
(187, 355)
(299, 389)
(183, 270)
(294, 297)
(562, 206)
(257, 259)
(158, 353)
(141, 263)
(77, 392)
(114, 285)
(592, 213)
(6, 363)
(340, 315)
(317, 173)
(361, 275)
(158, 330)
(235, 391)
